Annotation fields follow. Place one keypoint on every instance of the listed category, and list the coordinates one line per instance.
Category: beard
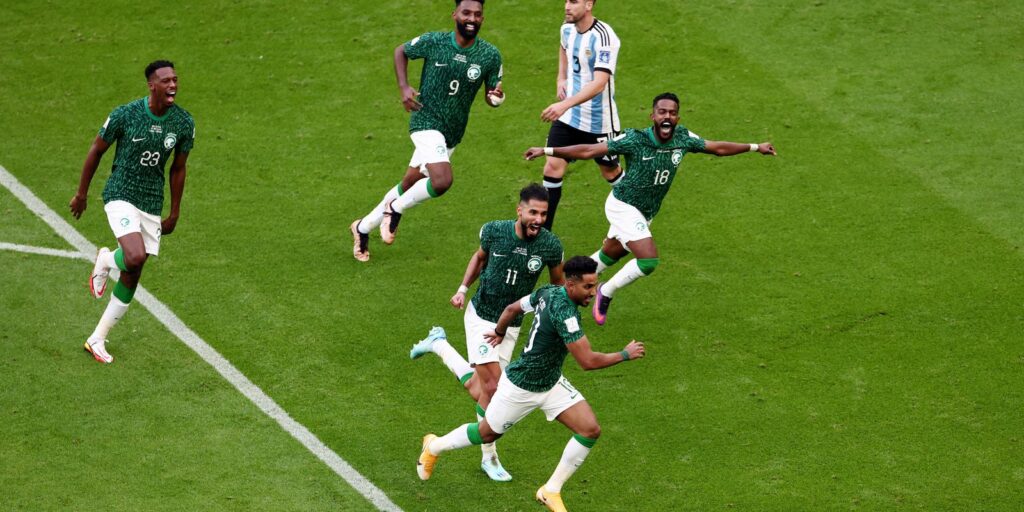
(465, 32)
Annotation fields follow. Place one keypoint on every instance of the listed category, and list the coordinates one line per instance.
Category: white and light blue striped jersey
(586, 53)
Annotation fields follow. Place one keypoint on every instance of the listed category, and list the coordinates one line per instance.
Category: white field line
(86, 250)
(43, 250)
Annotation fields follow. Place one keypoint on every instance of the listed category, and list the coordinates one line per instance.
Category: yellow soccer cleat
(551, 500)
(425, 464)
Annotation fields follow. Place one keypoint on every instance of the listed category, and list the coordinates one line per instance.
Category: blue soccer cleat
(426, 345)
(492, 467)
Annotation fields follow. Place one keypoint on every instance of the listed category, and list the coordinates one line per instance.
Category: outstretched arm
(177, 181)
(721, 148)
(402, 74)
(590, 360)
(577, 152)
(92, 161)
(473, 269)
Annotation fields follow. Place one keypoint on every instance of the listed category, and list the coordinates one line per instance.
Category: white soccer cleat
(494, 470)
(426, 345)
(98, 279)
(98, 349)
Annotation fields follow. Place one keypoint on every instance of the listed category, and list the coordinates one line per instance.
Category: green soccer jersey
(650, 166)
(450, 79)
(556, 323)
(513, 267)
(144, 144)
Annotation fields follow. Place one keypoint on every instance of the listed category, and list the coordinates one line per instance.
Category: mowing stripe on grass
(4, 246)
(224, 367)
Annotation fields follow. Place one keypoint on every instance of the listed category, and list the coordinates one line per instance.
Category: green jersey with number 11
(650, 166)
(144, 144)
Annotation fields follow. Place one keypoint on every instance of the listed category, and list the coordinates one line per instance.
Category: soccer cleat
(360, 243)
(389, 227)
(425, 464)
(601, 304)
(98, 350)
(551, 500)
(492, 467)
(426, 345)
(98, 279)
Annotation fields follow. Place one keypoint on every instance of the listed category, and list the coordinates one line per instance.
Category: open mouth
(170, 96)
(665, 129)
(533, 229)
(471, 27)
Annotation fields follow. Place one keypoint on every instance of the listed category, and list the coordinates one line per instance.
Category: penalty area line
(165, 316)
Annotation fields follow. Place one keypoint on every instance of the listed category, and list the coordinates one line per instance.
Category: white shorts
(125, 218)
(431, 148)
(512, 403)
(627, 223)
(481, 352)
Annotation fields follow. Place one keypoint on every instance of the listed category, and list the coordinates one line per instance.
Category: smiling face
(163, 87)
(665, 116)
(468, 16)
(532, 215)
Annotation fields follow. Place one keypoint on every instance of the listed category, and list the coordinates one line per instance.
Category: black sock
(554, 187)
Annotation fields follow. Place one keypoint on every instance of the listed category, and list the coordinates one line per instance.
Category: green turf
(836, 328)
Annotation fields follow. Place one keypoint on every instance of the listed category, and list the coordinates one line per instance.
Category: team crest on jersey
(677, 156)
(473, 72)
(588, 53)
(170, 140)
(534, 264)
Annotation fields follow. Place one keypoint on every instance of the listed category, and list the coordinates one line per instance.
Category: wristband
(500, 334)
(753, 147)
(463, 288)
(625, 355)
(549, 151)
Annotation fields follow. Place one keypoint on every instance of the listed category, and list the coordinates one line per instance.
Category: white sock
(600, 264)
(488, 450)
(108, 260)
(115, 310)
(412, 197)
(373, 219)
(458, 438)
(572, 457)
(627, 274)
(452, 359)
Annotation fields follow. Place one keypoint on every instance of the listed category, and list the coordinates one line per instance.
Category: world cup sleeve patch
(604, 56)
(572, 325)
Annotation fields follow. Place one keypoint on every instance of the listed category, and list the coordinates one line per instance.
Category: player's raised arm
(402, 75)
(557, 274)
(577, 152)
(722, 148)
(473, 269)
(590, 360)
(79, 201)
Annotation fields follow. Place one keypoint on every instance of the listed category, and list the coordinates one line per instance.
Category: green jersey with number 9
(650, 165)
(556, 323)
(144, 144)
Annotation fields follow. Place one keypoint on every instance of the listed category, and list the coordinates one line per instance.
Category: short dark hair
(533, 191)
(157, 64)
(665, 96)
(457, 2)
(579, 266)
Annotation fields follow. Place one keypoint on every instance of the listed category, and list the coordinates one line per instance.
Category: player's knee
(133, 261)
(439, 185)
(591, 431)
(647, 265)
(489, 436)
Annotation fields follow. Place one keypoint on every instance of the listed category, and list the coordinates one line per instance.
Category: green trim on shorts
(480, 410)
(585, 441)
(465, 378)
(473, 431)
(430, 188)
(607, 260)
(123, 293)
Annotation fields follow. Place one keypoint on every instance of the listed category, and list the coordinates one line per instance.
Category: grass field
(838, 328)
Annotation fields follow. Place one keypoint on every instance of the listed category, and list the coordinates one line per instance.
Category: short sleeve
(567, 322)
(186, 141)
(113, 127)
(564, 33)
(485, 237)
(622, 144)
(607, 52)
(693, 142)
(556, 254)
(419, 46)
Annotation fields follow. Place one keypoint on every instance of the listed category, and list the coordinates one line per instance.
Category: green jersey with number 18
(556, 323)
(144, 144)
(449, 81)
(513, 267)
(650, 165)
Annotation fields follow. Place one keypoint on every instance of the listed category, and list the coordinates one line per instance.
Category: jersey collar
(459, 48)
(654, 138)
(145, 105)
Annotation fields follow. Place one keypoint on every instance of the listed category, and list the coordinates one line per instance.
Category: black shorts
(562, 135)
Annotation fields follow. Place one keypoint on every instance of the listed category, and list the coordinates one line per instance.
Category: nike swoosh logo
(648, 158)
(438, 64)
(137, 140)
(496, 255)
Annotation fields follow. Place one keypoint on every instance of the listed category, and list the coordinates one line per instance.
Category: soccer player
(509, 262)
(535, 380)
(455, 65)
(148, 132)
(585, 112)
(652, 159)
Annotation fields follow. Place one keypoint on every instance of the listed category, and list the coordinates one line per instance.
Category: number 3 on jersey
(150, 158)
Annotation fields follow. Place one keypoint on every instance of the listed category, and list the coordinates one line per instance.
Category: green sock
(119, 259)
(123, 293)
